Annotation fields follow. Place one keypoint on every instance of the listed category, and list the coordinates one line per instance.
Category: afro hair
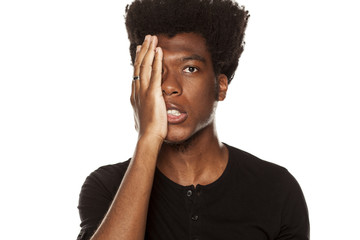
(222, 23)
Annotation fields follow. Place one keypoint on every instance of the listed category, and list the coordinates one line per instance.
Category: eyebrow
(194, 57)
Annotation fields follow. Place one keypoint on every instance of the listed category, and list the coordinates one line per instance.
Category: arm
(126, 217)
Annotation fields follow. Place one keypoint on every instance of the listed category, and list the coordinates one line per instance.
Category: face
(189, 86)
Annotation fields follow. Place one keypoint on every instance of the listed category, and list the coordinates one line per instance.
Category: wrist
(146, 153)
(151, 139)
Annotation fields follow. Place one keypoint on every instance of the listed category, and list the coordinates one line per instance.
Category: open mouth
(175, 116)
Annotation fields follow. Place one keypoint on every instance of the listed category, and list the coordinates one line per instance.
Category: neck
(199, 160)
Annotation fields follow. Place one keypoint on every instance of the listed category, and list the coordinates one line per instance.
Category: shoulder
(245, 160)
(96, 195)
(106, 178)
(254, 169)
(265, 177)
(111, 170)
(263, 180)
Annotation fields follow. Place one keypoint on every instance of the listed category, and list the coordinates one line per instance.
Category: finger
(147, 64)
(156, 76)
(140, 55)
(136, 83)
(132, 96)
(138, 61)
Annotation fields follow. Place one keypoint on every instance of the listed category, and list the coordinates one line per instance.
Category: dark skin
(189, 82)
(176, 74)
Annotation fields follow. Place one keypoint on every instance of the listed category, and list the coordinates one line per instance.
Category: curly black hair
(221, 22)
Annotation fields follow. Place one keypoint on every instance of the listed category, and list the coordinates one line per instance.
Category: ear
(223, 86)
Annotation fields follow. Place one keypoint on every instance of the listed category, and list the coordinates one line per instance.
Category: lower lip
(172, 119)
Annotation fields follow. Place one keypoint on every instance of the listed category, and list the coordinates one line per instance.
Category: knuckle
(137, 63)
(156, 70)
(142, 66)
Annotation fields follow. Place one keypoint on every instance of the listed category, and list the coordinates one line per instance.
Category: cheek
(207, 93)
(204, 104)
(204, 86)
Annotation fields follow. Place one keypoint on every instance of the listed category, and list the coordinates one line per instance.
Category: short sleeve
(86, 233)
(294, 218)
(96, 196)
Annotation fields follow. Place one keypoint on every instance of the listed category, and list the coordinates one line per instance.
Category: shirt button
(195, 217)
(189, 193)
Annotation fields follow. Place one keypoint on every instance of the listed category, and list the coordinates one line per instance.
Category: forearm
(126, 217)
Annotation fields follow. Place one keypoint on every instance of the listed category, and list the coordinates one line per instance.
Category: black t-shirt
(252, 200)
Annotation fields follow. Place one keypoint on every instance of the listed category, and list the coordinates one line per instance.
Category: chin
(177, 136)
(182, 136)
(175, 139)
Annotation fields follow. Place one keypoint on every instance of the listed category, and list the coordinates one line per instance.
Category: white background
(64, 106)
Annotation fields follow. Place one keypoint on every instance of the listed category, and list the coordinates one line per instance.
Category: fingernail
(147, 37)
(138, 48)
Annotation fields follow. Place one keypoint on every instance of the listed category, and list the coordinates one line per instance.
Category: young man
(182, 182)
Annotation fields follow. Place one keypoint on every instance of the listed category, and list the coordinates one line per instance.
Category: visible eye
(190, 69)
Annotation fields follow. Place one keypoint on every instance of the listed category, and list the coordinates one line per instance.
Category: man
(182, 182)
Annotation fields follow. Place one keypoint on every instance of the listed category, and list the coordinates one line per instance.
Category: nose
(170, 84)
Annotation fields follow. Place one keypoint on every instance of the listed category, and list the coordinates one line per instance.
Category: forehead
(184, 44)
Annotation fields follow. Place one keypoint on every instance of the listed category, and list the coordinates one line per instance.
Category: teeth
(173, 112)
